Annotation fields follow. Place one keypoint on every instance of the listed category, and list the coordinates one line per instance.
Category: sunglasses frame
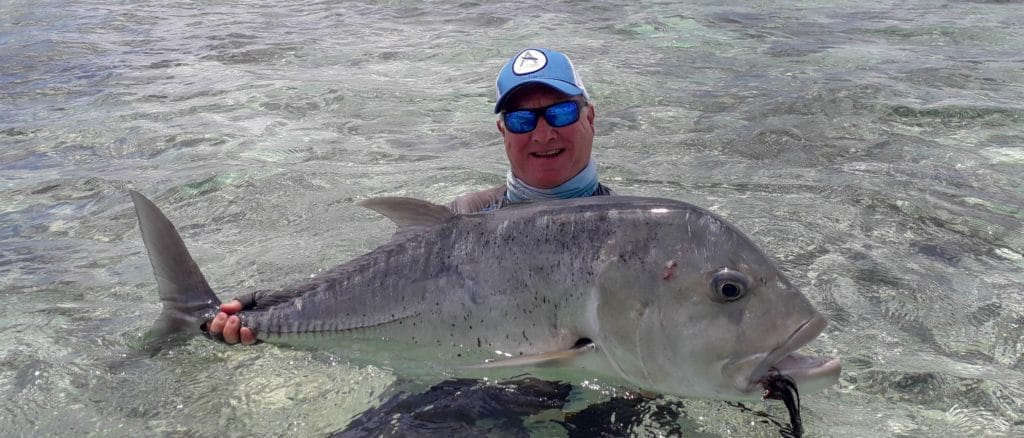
(539, 113)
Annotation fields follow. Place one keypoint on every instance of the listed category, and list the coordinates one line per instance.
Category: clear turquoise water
(875, 149)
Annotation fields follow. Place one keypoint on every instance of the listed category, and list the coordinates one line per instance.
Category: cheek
(509, 150)
(577, 140)
(518, 158)
(516, 152)
(513, 147)
(584, 139)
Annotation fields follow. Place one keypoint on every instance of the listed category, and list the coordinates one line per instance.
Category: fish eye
(728, 285)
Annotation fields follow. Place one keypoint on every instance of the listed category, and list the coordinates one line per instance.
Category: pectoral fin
(539, 360)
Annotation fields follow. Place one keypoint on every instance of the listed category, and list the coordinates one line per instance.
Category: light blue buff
(583, 184)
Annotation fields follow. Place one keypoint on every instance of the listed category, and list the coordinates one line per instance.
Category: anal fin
(540, 359)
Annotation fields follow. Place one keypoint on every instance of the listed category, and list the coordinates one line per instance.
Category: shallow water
(873, 149)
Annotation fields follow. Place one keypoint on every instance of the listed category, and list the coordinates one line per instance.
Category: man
(547, 123)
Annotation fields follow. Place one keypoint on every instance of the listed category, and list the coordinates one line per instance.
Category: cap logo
(529, 61)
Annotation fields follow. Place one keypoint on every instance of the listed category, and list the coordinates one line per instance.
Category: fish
(656, 294)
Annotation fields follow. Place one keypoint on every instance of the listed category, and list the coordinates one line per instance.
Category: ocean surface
(875, 150)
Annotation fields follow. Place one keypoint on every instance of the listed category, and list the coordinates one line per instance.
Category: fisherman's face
(547, 157)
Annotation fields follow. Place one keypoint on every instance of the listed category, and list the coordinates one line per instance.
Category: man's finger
(232, 307)
(231, 329)
(248, 337)
(217, 325)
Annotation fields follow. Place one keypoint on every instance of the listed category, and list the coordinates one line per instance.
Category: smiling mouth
(548, 154)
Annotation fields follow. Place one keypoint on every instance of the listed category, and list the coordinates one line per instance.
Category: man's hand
(227, 324)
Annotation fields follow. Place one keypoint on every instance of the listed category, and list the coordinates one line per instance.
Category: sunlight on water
(872, 149)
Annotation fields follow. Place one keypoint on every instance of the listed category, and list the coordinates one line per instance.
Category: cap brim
(561, 86)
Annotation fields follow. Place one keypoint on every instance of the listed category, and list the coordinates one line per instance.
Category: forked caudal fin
(187, 299)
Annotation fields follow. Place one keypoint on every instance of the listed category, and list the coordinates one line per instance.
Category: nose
(543, 132)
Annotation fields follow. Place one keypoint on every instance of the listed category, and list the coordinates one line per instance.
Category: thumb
(231, 307)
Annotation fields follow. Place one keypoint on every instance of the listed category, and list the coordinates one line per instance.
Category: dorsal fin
(409, 214)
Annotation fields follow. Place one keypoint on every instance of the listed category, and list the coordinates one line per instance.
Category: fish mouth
(811, 373)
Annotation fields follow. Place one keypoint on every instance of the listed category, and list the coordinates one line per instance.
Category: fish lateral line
(270, 330)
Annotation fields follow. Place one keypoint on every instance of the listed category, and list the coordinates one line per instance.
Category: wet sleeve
(248, 299)
(263, 299)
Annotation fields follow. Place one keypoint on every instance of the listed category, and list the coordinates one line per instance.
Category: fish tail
(188, 301)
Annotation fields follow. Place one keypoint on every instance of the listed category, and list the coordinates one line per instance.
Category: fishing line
(779, 387)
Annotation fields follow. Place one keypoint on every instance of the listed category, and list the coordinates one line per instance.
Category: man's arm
(478, 201)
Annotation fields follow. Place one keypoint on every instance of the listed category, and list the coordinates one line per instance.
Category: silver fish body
(656, 293)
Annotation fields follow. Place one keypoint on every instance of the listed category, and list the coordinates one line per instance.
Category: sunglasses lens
(557, 116)
(562, 114)
(520, 122)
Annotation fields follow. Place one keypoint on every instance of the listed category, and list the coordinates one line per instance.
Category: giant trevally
(656, 293)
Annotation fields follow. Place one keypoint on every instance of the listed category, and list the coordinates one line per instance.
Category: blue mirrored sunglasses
(557, 115)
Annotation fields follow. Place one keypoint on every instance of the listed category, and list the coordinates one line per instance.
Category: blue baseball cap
(538, 66)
